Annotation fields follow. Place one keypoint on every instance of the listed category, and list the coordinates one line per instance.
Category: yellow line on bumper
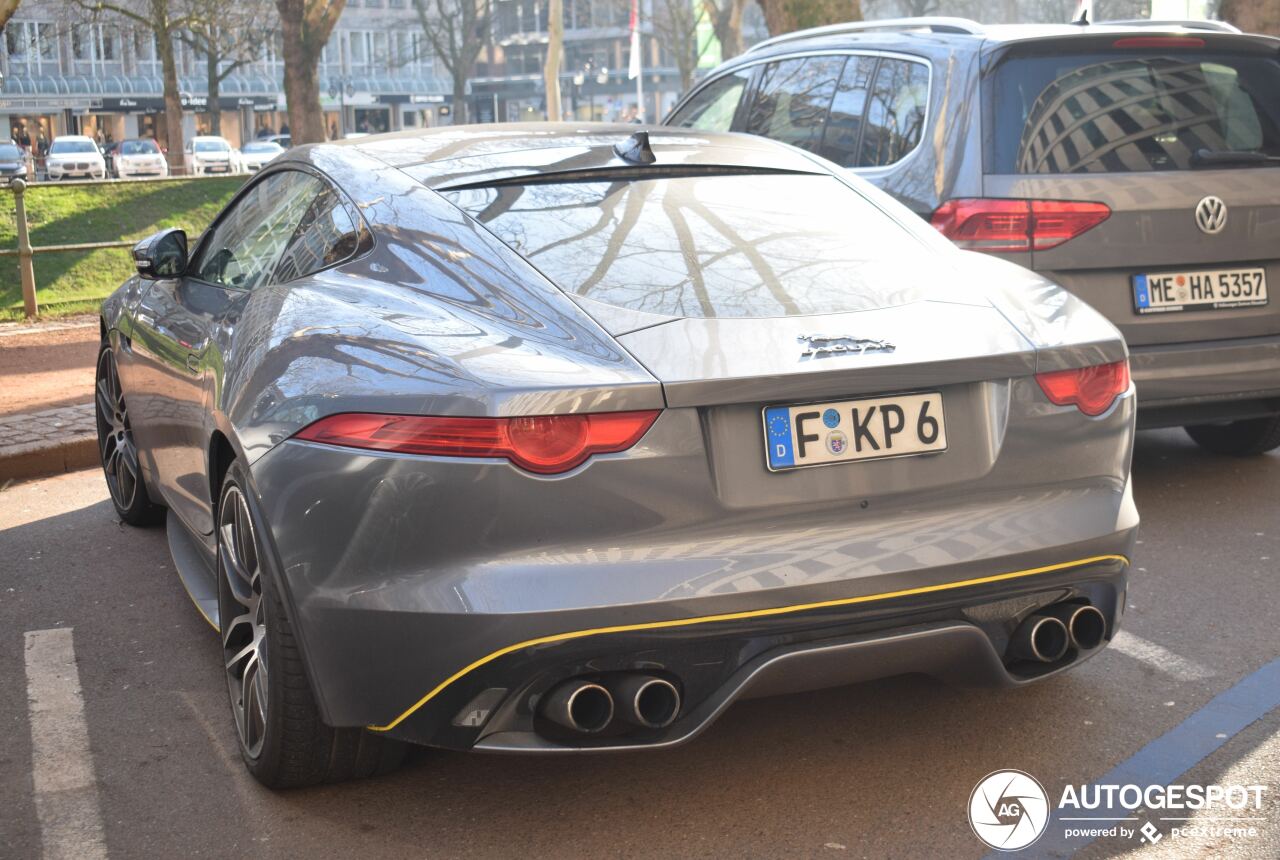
(735, 616)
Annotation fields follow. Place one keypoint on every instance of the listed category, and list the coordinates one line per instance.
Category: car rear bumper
(1189, 383)
(419, 583)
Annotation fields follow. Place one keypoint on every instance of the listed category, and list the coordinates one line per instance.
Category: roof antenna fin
(1084, 13)
(635, 149)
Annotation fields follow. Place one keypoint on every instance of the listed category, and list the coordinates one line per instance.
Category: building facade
(67, 72)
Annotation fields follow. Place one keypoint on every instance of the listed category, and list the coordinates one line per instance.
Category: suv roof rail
(1197, 24)
(900, 25)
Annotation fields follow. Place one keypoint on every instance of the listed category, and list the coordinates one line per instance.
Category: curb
(42, 459)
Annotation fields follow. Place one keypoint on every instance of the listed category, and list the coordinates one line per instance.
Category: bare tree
(787, 16)
(457, 30)
(228, 36)
(675, 23)
(165, 22)
(555, 52)
(305, 26)
(1252, 16)
(726, 21)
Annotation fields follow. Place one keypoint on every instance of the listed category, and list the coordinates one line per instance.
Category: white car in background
(256, 153)
(207, 154)
(138, 157)
(74, 156)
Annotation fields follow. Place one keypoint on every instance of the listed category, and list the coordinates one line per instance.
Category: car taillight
(996, 224)
(1092, 390)
(546, 444)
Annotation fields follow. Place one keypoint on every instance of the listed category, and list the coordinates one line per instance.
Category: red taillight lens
(1092, 390)
(993, 224)
(546, 444)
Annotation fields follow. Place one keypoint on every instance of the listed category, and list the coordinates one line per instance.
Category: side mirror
(162, 255)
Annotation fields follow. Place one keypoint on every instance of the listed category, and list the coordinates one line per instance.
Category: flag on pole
(633, 70)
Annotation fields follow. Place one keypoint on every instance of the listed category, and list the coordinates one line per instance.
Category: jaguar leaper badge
(821, 345)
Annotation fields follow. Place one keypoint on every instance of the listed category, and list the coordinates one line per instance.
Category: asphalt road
(878, 770)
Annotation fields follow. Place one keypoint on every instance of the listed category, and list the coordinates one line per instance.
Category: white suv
(74, 155)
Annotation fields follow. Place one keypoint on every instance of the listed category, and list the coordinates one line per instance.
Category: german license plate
(820, 434)
(1207, 289)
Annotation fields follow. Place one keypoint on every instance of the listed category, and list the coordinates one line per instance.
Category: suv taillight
(1092, 390)
(545, 444)
(996, 224)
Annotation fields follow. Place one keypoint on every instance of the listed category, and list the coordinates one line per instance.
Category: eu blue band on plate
(777, 422)
(1140, 290)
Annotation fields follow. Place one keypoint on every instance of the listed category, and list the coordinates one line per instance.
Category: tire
(117, 451)
(1247, 438)
(284, 744)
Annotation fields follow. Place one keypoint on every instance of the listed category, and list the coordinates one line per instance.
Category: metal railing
(25, 252)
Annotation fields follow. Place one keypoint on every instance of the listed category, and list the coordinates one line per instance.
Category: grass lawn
(75, 281)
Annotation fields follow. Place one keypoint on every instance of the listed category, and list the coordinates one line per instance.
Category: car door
(184, 326)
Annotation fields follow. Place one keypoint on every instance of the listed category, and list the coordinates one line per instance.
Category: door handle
(193, 362)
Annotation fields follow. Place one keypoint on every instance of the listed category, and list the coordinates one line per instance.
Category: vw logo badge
(1211, 215)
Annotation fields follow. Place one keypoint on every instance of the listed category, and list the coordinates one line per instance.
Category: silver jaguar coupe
(539, 438)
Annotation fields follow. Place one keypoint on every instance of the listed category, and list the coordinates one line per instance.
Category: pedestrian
(284, 128)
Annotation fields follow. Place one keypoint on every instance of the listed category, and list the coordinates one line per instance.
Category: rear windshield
(1121, 112)
(9, 151)
(711, 246)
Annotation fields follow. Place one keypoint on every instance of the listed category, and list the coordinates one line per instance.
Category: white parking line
(66, 794)
(1159, 657)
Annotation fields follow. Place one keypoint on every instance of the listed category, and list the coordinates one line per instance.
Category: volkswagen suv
(1136, 163)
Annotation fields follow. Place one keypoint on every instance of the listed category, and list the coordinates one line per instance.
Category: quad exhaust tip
(646, 701)
(580, 706)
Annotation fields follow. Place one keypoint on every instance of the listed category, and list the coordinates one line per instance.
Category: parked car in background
(13, 162)
(285, 140)
(74, 156)
(1136, 163)
(207, 154)
(137, 157)
(255, 154)
(527, 438)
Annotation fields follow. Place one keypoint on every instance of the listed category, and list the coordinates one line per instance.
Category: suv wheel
(1246, 438)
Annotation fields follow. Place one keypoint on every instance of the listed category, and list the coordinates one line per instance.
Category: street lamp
(342, 88)
(580, 78)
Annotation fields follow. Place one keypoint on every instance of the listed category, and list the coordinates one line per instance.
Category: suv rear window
(1118, 112)
(750, 245)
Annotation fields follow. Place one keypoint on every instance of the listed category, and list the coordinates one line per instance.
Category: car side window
(895, 112)
(712, 108)
(844, 125)
(330, 232)
(247, 243)
(792, 100)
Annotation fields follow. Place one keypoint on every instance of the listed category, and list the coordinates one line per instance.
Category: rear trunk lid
(1122, 120)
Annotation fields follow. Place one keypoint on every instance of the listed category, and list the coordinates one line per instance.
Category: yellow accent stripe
(735, 616)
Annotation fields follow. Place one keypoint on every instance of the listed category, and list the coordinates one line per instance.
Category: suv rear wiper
(1227, 157)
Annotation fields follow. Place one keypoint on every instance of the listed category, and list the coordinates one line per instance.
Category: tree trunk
(213, 88)
(787, 16)
(726, 21)
(301, 85)
(460, 100)
(555, 48)
(172, 101)
(1252, 16)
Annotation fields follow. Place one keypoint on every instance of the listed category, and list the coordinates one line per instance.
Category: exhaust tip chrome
(656, 703)
(1041, 637)
(1088, 627)
(579, 705)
